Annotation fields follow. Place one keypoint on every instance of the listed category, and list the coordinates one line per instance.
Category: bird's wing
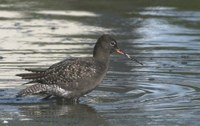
(39, 73)
(65, 73)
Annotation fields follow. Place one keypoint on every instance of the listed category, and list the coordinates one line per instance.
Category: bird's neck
(101, 55)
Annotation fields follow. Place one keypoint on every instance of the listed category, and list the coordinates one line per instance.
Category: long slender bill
(128, 56)
(131, 58)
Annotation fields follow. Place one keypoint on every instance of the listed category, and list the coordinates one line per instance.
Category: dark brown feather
(34, 89)
(36, 70)
(32, 76)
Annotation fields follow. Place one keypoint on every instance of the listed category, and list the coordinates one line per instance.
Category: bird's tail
(31, 75)
(32, 90)
(35, 75)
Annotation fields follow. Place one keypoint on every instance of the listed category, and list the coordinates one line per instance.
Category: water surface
(164, 35)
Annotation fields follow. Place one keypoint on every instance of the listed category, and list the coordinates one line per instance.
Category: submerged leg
(47, 97)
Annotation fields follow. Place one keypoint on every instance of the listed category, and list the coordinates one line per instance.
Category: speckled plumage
(71, 78)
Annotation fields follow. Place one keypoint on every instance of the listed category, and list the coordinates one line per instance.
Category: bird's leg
(47, 97)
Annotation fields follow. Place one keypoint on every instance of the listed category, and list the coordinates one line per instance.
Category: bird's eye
(113, 43)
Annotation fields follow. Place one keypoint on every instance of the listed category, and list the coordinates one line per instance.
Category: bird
(72, 78)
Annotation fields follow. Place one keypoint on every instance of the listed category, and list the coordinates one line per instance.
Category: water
(163, 35)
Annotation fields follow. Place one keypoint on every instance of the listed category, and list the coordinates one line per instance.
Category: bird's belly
(88, 85)
(79, 87)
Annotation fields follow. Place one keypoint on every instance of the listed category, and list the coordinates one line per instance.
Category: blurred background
(163, 34)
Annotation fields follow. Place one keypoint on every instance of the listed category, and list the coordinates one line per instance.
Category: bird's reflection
(78, 114)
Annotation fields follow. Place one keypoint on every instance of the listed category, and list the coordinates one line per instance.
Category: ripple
(10, 14)
(68, 13)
